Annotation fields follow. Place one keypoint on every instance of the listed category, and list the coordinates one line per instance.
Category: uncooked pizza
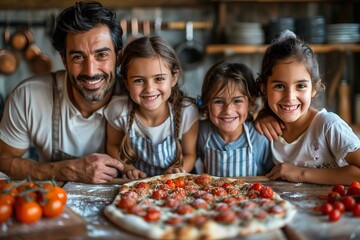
(189, 206)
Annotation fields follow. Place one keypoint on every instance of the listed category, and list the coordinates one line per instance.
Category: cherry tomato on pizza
(152, 215)
(266, 192)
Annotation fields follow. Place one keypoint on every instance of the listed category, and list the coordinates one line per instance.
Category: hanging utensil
(21, 39)
(190, 53)
(9, 60)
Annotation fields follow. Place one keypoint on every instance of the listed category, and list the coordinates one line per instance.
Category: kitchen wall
(333, 12)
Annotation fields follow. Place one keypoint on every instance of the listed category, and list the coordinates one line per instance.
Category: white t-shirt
(117, 114)
(323, 145)
(28, 119)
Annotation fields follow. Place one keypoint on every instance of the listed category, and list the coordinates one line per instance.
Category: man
(61, 113)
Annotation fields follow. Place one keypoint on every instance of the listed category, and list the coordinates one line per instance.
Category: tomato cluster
(28, 200)
(342, 199)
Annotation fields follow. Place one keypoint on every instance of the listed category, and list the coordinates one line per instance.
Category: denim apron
(154, 159)
(231, 162)
(57, 154)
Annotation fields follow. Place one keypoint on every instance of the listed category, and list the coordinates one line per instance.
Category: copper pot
(21, 39)
(9, 60)
(31, 51)
(40, 64)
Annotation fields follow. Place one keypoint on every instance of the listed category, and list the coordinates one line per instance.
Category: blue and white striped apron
(231, 162)
(154, 159)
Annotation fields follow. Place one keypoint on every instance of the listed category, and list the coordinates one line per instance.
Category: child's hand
(286, 171)
(269, 126)
(133, 173)
(175, 170)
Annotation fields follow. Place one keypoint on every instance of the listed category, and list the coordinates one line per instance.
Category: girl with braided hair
(153, 128)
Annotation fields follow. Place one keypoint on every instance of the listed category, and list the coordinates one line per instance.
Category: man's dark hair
(82, 17)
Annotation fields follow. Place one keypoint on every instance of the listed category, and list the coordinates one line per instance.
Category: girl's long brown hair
(148, 47)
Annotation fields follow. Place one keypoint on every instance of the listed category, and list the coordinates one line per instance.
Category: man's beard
(93, 95)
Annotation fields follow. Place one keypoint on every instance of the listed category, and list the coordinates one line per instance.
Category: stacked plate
(245, 33)
(311, 29)
(279, 25)
(343, 33)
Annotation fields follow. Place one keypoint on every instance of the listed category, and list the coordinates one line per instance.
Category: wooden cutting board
(68, 224)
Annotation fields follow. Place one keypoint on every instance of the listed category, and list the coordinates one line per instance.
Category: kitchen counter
(88, 201)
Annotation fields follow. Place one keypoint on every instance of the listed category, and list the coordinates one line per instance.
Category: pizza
(190, 206)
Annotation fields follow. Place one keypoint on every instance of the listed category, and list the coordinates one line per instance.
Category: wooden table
(88, 201)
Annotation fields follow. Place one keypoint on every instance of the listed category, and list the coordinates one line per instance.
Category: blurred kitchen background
(202, 32)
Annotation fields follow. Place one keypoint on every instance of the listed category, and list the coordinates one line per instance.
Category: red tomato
(257, 186)
(170, 183)
(159, 194)
(355, 184)
(266, 192)
(226, 185)
(333, 197)
(152, 215)
(53, 208)
(7, 198)
(228, 216)
(335, 215)
(28, 212)
(174, 221)
(5, 211)
(143, 185)
(340, 189)
(349, 202)
(179, 182)
(8, 188)
(184, 209)
(126, 202)
(356, 210)
(340, 206)
(61, 194)
(203, 179)
(352, 190)
(326, 208)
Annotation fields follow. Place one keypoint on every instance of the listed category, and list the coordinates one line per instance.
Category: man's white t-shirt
(27, 119)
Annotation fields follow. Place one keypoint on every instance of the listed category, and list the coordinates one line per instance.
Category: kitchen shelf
(251, 49)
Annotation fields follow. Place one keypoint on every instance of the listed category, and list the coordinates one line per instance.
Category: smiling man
(61, 113)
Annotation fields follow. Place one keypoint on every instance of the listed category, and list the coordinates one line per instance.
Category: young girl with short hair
(229, 145)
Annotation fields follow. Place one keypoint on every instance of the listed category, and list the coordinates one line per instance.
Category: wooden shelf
(281, 1)
(251, 49)
(49, 4)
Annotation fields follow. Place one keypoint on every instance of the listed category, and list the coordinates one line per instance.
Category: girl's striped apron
(231, 162)
(154, 159)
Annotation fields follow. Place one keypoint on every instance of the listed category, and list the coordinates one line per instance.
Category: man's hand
(95, 168)
(269, 126)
